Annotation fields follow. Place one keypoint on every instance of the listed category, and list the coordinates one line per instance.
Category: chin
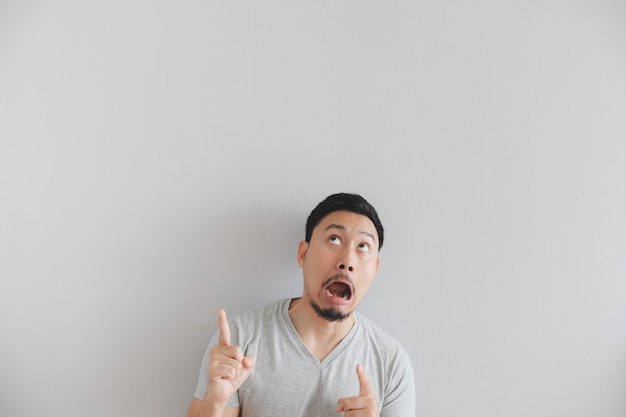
(330, 314)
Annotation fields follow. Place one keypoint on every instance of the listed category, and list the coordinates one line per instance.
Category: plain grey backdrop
(158, 160)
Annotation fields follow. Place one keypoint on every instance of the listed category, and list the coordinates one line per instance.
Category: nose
(346, 259)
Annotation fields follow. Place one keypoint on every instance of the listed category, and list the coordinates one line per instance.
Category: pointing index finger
(365, 388)
(222, 324)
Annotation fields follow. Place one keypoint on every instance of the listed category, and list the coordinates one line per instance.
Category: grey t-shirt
(289, 381)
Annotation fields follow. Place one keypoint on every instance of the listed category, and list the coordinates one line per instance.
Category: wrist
(212, 408)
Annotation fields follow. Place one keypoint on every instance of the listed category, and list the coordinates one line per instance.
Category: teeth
(344, 296)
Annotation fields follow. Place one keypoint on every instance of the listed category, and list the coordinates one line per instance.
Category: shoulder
(258, 327)
(260, 313)
(377, 333)
(258, 319)
(382, 342)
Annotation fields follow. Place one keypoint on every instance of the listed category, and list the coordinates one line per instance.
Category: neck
(319, 335)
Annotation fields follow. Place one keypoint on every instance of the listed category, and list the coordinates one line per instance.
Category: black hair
(345, 202)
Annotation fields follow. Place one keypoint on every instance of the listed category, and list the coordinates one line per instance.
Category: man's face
(339, 263)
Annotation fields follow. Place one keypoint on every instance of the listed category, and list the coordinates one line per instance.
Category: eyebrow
(342, 227)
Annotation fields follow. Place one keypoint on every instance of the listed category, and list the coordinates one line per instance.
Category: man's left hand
(363, 405)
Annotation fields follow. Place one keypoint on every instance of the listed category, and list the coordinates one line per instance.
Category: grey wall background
(158, 160)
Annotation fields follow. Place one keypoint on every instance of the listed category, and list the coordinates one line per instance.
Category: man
(313, 356)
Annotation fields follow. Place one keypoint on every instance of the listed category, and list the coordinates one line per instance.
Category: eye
(363, 247)
(334, 240)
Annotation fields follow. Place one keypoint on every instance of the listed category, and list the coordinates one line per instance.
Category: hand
(363, 405)
(228, 368)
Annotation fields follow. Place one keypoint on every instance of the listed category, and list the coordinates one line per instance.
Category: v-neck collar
(293, 333)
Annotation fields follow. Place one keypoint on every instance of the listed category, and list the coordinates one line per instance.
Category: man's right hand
(228, 368)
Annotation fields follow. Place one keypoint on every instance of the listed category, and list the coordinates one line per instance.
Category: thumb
(248, 363)
(365, 388)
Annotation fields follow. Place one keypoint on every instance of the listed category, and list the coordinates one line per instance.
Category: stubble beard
(329, 314)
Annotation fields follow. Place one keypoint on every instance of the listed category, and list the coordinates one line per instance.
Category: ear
(377, 264)
(303, 247)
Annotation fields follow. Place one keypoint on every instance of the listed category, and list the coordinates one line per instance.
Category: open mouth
(339, 289)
